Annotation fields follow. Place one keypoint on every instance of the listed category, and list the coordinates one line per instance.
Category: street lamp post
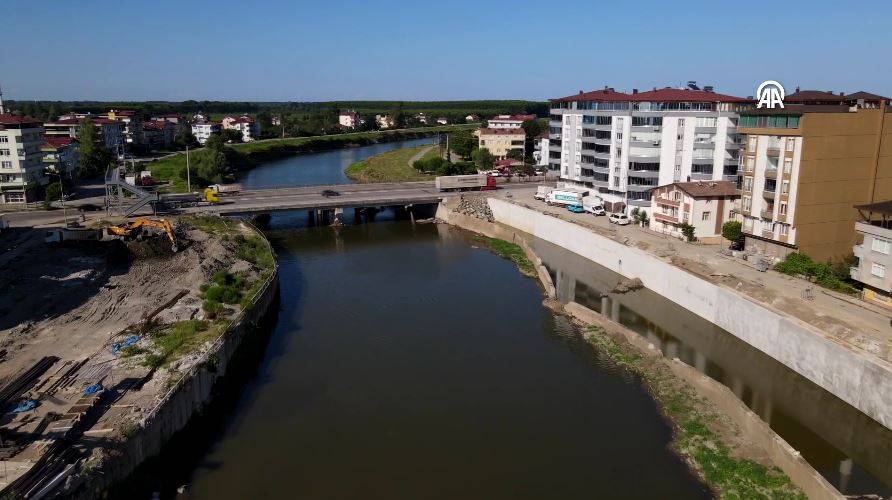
(188, 174)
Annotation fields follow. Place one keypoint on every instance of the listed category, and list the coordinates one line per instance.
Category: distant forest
(51, 109)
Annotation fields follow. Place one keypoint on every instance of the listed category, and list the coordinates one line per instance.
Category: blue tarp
(93, 389)
(129, 341)
(26, 405)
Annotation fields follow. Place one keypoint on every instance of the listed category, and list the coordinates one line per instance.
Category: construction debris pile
(86, 347)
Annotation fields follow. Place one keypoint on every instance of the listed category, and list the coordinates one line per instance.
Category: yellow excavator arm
(136, 228)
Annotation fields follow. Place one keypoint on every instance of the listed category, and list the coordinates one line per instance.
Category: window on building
(791, 142)
(880, 245)
(788, 165)
(878, 270)
(4, 139)
(705, 216)
(747, 183)
(751, 144)
(15, 197)
(748, 224)
(6, 164)
(747, 203)
(4, 152)
(783, 229)
(785, 187)
(783, 209)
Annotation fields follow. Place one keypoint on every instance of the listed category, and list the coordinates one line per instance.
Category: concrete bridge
(311, 198)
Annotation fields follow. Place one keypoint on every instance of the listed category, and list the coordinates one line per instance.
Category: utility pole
(188, 175)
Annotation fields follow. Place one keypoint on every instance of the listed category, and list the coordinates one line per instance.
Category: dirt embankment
(121, 323)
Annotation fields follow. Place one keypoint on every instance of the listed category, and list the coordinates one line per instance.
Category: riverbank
(729, 450)
(392, 166)
(246, 156)
(156, 340)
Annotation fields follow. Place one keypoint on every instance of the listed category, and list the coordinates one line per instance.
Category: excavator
(141, 228)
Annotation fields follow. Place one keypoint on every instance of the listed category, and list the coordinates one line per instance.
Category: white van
(593, 205)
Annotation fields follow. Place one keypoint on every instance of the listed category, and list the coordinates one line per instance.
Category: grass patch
(731, 477)
(826, 274)
(255, 250)
(211, 224)
(392, 166)
(513, 253)
(174, 340)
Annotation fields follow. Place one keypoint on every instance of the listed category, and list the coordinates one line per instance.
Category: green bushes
(177, 339)
(826, 274)
(224, 288)
(688, 231)
(254, 250)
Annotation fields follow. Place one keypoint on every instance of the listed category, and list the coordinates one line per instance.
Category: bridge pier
(337, 215)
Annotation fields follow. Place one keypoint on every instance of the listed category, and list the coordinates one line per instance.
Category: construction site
(99, 327)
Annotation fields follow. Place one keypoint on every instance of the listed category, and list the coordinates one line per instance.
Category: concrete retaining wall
(801, 473)
(863, 382)
(188, 396)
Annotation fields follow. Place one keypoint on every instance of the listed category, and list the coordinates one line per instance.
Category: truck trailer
(566, 196)
(477, 182)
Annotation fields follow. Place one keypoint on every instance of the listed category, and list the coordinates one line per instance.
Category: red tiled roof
(669, 94)
(7, 119)
(501, 131)
(155, 125)
(596, 95)
(703, 189)
(867, 96)
(809, 96)
(58, 141)
(65, 121)
(506, 162)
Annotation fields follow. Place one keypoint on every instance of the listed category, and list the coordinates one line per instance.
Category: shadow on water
(847, 447)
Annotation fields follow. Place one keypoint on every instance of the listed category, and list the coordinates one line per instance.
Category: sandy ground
(73, 302)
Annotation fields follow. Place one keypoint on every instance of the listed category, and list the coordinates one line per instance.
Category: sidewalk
(860, 325)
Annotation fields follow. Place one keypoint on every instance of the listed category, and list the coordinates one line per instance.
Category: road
(283, 199)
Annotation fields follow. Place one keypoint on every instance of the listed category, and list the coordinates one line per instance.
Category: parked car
(621, 219)
(576, 209)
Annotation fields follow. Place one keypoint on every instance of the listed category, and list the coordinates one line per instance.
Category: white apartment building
(247, 126)
(624, 145)
(509, 121)
(203, 130)
(384, 121)
(348, 119)
(21, 159)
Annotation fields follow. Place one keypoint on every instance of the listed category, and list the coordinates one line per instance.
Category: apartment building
(60, 155)
(500, 140)
(348, 119)
(247, 126)
(111, 132)
(805, 166)
(874, 252)
(509, 121)
(21, 160)
(705, 205)
(626, 144)
(202, 130)
(159, 134)
(132, 126)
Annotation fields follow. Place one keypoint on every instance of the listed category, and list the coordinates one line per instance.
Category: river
(409, 363)
(319, 168)
(847, 447)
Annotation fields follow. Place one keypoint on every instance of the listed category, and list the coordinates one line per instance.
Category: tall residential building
(21, 160)
(249, 128)
(501, 140)
(804, 167)
(874, 253)
(111, 132)
(626, 144)
(202, 130)
(509, 121)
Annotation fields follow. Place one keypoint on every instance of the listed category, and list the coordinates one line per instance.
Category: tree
(532, 128)
(688, 231)
(515, 154)
(399, 120)
(186, 138)
(732, 231)
(231, 135)
(462, 143)
(483, 158)
(94, 158)
(211, 163)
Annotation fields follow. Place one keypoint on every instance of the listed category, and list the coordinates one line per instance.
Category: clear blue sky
(415, 50)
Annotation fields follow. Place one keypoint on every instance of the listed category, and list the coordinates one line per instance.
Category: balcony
(704, 144)
(773, 151)
(768, 234)
(638, 188)
(665, 218)
(645, 174)
(701, 176)
(767, 213)
(768, 194)
(635, 143)
(771, 173)
(664, 201)
(704, 130)
(646, 128)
